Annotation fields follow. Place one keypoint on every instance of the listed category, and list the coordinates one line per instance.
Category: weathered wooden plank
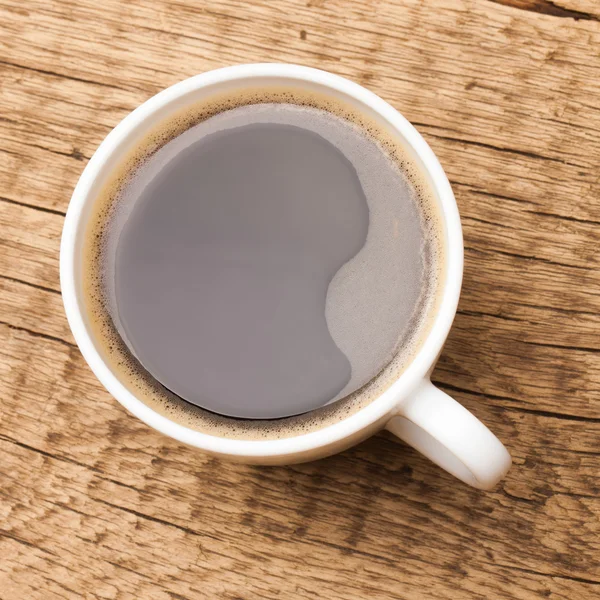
(130, 555)
(540, 512)
(94, 504)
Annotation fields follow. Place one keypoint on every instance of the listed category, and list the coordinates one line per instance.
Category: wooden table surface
(95, 505)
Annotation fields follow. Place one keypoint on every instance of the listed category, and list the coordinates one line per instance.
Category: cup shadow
(379, 498)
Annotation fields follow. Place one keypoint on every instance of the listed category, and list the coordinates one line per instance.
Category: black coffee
(268, 261)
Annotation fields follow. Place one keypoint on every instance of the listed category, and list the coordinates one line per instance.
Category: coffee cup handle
(448, 434)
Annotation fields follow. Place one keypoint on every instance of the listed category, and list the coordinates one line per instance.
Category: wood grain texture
(95, 505)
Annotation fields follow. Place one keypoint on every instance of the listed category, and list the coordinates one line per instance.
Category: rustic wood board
(94, 504)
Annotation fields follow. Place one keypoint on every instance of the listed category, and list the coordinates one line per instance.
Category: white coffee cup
(412, 407)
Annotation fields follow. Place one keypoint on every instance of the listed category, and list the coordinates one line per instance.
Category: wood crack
(563, 217)
(76, 154)
(571, 451)
(142, 515)
(476, 313)
(48, 454)
(52, 211)
(344, 549)
(38, 334)
(71, 461)
(548, 8)
(29, 284)
(491, 223)
(519, 498)
(492, 195)
(60, 75)
(118, 566)
(555, 415)
(561, 347)
(567, 311)
(540, 573)
(530, 257)
(523, 153)
(12, 536)
(520, 407)
(455, 388)
(538, 213)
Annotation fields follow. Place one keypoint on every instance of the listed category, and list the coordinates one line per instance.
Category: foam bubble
(350, 312)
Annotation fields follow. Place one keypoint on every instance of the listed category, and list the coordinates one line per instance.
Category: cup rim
(387, 403)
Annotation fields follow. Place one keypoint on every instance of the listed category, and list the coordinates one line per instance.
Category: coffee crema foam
(111, 208)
